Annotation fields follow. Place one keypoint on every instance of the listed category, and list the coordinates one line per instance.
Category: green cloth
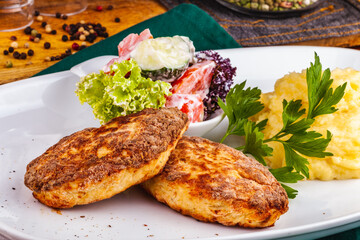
(185, 19)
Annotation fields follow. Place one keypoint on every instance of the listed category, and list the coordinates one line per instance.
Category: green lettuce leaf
(121, 93)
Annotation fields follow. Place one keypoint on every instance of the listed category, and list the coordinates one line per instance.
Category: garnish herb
(298, 141)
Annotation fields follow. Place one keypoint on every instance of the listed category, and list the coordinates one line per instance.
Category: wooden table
(130, 13)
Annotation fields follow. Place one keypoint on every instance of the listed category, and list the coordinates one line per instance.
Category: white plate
(36, 113)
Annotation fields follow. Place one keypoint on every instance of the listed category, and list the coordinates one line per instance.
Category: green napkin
(185, 19)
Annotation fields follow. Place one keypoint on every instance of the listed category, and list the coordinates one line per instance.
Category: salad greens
(122, 92)
(295, 136)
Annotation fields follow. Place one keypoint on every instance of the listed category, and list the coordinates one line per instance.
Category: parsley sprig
(295, 135)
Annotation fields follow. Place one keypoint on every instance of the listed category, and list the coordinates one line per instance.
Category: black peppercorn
(64, 16)
(30, 52)
(52, 58)
(117, 19)
(43, 24)
(53, 32)
(64, 38)
(58, 15)
(64, 26)
(27, 30)
(16, 55)
(38, 35)
(6, 52)
(13, 38)
(110, 7)
(36, 13)
(47, 45)
(23, 55)
(11, 49)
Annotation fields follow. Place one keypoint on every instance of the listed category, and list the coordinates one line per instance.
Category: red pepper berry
(99, 8)
(75, 46)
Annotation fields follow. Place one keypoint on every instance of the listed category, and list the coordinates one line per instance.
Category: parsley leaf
(240, 105)
(295, 135)
(321, 97)
(254, 143)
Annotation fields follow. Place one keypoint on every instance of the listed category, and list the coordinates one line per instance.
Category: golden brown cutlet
(97, 163)
(216, 183)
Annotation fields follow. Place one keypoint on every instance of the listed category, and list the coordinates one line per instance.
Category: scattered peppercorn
(47, 45)
(64, 38)
(34, 32)
(30, 52)
(58, 15)
(38, 35)
(117, 19)
(14, 45)
(8, 64)
(16, 55)
(52, 58)
(39, 18)
(64, 16)
(75, 46)
(27, 30)
(36, 13)
(36, 40)
(31, 38)
(11, 49)
(99, 8)
(43, 24)
(90, 30)
(6, 52)
(23, 55)
(53, 32)
(47, 59)
(26, 45)
(110, 7)
(13, 38)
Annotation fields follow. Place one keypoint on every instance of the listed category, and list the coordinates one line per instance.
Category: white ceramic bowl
(195, 129)
(199, 129)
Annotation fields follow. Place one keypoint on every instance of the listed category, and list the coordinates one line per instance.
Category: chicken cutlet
(97, 163)
(216, 183)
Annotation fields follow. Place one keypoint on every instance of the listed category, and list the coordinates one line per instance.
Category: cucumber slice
(164, 58)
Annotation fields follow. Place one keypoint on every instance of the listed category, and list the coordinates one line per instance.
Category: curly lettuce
(121, 92)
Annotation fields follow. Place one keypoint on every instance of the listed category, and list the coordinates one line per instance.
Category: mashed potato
(343, 124)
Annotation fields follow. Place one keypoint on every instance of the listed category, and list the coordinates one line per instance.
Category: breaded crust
(97, 163)
(216, 183)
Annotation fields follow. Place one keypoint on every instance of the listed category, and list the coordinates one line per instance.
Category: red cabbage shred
(221, 82)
